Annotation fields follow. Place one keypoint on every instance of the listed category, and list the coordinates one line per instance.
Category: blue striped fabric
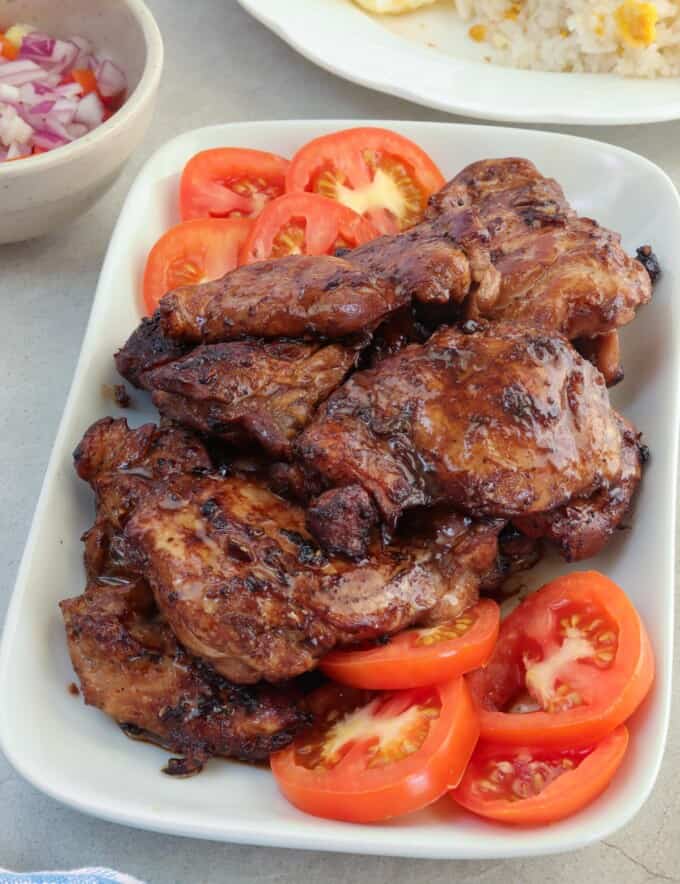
(76, 876)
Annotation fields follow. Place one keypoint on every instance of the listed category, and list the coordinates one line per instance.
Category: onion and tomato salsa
(52, 91)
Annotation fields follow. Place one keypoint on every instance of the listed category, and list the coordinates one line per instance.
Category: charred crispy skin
(250, 389)
(127, 658)
(326, 297)
(243, 585)
(516, 553)
(426, 265)
(499, 421)
(122, 466)
(583, 526)
(604, 351)
(297, 297)
(557, 270)
(147, 348)
(401, 329)
(131, 666)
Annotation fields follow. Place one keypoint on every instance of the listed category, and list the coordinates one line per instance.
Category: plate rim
(268, 835)
(551, 114)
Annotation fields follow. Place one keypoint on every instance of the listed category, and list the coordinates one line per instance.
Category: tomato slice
(418, 657)
(304, 224)
(192, 252)
(532, 785)
(572, 662)
(378, 173)
(370, 757)
(230, 182)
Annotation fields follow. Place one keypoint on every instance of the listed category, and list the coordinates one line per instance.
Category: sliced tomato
(378, 173)
(370, 757)
(530, 785)
(192, 252)
(230, 182)
(572, 662)
(304, 224)
(418, 657)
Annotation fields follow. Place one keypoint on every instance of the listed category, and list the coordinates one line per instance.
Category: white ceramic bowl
(44, 192)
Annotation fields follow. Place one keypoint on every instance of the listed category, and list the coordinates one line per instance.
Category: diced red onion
(37, 47)
(69, 90)
(39, 109)
(90, 111)
(17, 150)
(110, 79)
(77, 130)
(48, 140)
(21, 71)
(9, 93)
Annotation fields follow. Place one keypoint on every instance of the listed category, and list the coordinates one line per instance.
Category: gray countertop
(222, 66)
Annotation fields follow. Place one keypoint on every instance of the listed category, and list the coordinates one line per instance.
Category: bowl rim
(148, 83)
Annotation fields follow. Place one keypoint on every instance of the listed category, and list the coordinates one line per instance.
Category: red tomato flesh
(377, 173)
(230, 182)
(372, 757)
(192, 252)
(304, 224)
(572, 662)
(418, 657)
(532, 785)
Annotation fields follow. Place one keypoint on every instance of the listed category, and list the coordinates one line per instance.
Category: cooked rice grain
(628, 37)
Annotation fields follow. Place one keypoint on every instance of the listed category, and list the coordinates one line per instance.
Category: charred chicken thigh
(128, 660)
(131, 666)
(251, 389)
(305, 297)
(500, 421)
(244, 586)
(556, 270)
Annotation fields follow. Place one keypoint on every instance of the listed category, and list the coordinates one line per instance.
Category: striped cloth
(75, 876)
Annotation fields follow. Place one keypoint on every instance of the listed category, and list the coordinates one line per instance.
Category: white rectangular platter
(80, 757)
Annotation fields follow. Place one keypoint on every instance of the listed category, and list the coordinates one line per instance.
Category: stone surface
(222, 66)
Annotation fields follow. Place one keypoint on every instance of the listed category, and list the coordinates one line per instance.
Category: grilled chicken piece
(327, 297)
(131, 666)
(401, 329)
(147, 348)
(122, 465)
(243, 586)
(604, 351)
(557, 270)
(251, 390)
(498, 421)
(299, 297)
(516, 553)
(583, 526)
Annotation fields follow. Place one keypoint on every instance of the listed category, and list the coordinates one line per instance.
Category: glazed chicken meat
(501, 421)
(350, 445)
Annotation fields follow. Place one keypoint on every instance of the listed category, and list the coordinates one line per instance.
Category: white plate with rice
(591, 62)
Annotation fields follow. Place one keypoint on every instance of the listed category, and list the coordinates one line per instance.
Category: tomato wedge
(378, 173)
(529, 785)
(375, 756)
(419, 657)
(572, 662)
(304, 224)
(192, 252)
(230, 182)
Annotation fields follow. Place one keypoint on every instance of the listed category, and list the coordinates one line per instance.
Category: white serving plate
(427, 57)
(79, 756)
